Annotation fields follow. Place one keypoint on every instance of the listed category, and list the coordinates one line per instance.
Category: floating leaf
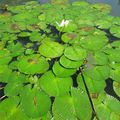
(36, 36)
(99, 73)
(67, 63)
(115, 31)
(7, 112)
(15, 49)
(37, 104)
(93, 42)
(24, 34)
(68, 107)
(93, 85)
(51, 49)
(75, 53)
(33, 64)
(5, 57)
(55, 86)
(66, 37)
(61, 71)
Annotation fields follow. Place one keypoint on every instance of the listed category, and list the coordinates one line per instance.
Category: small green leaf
(35, 102)
(75, 53)
(61, 71)
(55, 86)
(51, 49)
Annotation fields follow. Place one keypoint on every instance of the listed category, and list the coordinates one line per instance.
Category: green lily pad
(36, 36)
(113, 54)
(68, 107)
(116, 87)
(116, 20)
(81, 3)
(66, 37)
(86, 30)
(115, 44)
(113, 104)
(115, 72)
(61, 71)
(67, 63)
(115, 31)
(8, 37)
(32, 64)
(102, 7)
(7, 112)
(99, 73)
(29, 51)
(75, 53)
(99, 58)
(35, 102)
(94, 42)
(15, 49)
(105, 23)
(51, 49)
(5, 56)
(94, 86)
(22, 16)
(55, 86)
(15, 84)
(16, 27)
(24, 34)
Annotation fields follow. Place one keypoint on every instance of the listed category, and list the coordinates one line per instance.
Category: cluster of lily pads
(45, 50)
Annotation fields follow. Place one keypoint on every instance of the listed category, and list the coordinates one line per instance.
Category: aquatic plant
(56, 61)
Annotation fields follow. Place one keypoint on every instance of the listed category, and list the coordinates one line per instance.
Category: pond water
(114, 3)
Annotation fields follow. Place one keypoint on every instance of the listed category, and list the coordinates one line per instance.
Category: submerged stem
(88, 93)
(2, 97)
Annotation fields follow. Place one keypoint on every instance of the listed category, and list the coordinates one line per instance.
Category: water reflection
(114, 3)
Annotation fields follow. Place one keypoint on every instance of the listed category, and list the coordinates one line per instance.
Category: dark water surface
(114, 3)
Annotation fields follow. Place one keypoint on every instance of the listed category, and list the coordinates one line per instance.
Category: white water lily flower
(63, 23)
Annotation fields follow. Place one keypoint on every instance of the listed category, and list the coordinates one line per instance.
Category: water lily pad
(102, 7)
(115, 44)
(116, 87)
(55, 86)
(86, 30)
(23, 16)
(61, 71)
(29, 51)
(67, 107)
(32, 64)
(67, 63)
(5, 56)
(81, 3)
(94, 86)
(75, 53)
(99, 73)
(100, 58)
(15, 49)
(5, 73)
(113, 54)
(66, 37)
(93, 42)
(8, 37)
(115, 31)
(37, 104)
(11, 103)
(105, 23)
(115, 72)
(24, 34)
(36, 36)
(51, 49)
